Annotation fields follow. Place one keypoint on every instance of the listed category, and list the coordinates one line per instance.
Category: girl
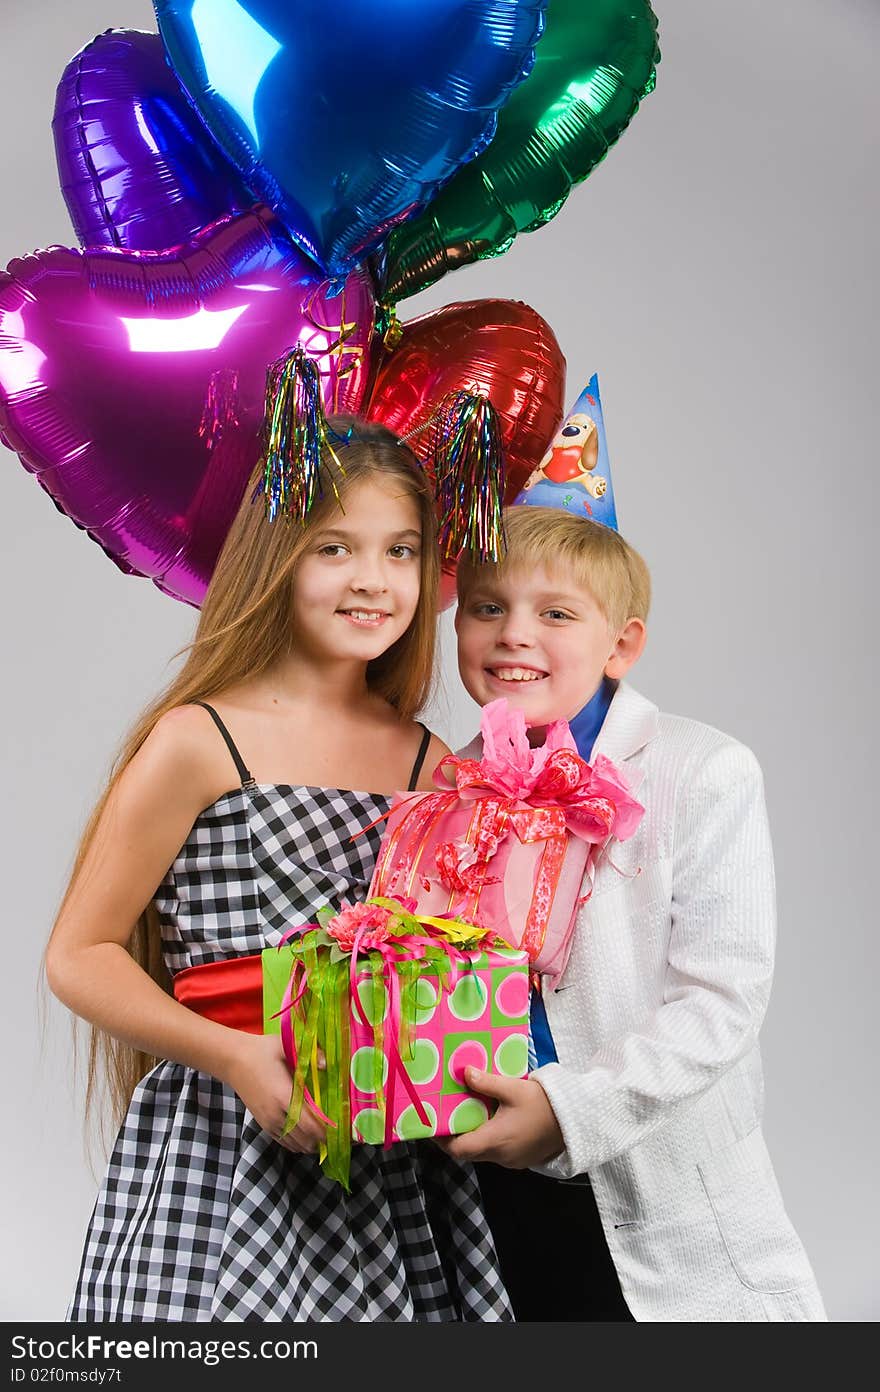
(228, 821)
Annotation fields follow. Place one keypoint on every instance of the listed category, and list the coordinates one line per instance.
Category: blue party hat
(574, 475)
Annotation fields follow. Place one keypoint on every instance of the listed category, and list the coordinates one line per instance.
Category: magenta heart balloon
(132, 383)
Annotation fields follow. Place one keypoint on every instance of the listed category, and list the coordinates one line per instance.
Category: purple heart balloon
(132, 383)
(137, 167)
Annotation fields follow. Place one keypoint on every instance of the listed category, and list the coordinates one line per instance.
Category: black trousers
(551, 1247)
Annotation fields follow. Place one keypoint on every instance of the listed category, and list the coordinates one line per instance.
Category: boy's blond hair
(592, 556)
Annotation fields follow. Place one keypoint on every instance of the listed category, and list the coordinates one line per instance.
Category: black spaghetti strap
(420, 758)
(243, 771)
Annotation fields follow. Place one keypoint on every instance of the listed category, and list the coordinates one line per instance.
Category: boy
(654, 1197)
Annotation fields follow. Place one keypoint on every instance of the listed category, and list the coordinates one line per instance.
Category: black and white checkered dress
(202, 1216)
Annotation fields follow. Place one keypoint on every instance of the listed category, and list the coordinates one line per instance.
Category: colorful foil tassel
(295, 435)
(468, 465)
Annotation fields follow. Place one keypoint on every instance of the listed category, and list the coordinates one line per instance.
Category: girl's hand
(260, 1075)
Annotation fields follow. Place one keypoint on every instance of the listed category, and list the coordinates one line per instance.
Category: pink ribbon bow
(545, 791)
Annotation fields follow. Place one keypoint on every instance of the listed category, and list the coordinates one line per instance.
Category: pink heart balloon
(132, 383)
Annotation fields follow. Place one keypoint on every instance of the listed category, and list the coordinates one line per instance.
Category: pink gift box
(526, 891)
(508, 840)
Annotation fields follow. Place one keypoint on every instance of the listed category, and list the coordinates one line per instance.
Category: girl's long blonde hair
(243, 627)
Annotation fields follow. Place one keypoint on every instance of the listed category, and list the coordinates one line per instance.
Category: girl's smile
(365, 618)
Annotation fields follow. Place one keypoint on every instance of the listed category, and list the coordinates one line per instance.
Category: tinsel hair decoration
(466, 461)
(464, 458)
(295, 433)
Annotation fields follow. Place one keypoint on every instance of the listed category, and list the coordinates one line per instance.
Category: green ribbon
(321, 1018)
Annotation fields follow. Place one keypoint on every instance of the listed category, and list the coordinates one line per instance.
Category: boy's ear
(628, 649)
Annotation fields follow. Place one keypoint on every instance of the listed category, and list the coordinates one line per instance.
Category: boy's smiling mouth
(516, 673)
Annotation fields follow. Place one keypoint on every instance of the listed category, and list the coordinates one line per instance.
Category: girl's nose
(370, 577)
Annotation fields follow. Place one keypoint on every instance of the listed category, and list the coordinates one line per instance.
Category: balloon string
(338, 348)
(339, 352)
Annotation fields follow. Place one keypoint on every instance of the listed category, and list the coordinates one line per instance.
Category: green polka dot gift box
(398, 1005)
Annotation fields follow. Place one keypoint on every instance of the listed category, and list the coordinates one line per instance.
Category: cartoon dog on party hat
(575, 474)
(572, 457)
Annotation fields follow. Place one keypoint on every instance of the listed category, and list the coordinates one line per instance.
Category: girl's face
(356, 586)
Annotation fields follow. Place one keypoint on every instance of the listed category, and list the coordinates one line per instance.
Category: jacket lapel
(631, 723)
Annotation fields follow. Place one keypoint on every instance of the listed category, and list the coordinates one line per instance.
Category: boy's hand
(523, 1132)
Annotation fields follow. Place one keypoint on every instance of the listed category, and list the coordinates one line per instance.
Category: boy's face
(541, 641)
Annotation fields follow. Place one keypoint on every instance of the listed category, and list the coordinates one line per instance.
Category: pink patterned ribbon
(541, 794)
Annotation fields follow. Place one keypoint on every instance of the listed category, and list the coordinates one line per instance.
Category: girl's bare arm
(145, 822)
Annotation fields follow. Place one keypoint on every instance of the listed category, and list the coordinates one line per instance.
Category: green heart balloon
(593, 65)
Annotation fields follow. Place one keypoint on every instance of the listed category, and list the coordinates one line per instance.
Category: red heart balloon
(501, 348)
(132, 383)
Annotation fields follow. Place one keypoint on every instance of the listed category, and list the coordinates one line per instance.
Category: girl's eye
(402, 552)
(333, 548)
(487, 610)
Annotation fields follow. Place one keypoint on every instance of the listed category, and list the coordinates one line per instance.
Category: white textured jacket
(658, 1090)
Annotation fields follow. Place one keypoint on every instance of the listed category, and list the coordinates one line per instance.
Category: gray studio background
(718, 270)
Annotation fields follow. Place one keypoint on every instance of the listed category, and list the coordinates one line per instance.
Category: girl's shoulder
(385, 750)
(183, 732)
(184, 745)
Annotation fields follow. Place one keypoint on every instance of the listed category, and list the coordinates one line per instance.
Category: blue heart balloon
(346, 116)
